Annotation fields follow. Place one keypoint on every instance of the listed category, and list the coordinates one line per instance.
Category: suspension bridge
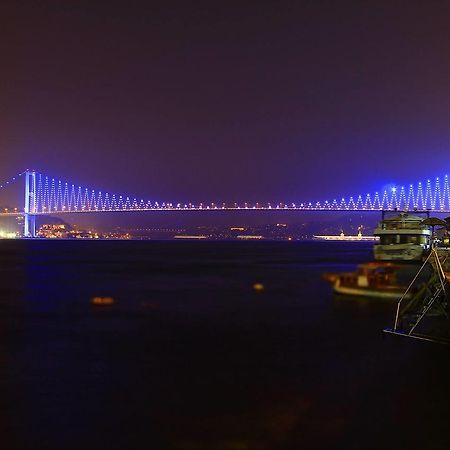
(44, 195)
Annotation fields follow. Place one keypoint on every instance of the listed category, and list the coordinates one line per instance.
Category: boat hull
(373, 293)
(401, 252)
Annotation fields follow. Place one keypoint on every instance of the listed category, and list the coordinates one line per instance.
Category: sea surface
(191, 356)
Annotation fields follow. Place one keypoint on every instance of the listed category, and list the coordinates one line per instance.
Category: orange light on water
(102, 301)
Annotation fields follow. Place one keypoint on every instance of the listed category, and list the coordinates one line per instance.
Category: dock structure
(426, 315)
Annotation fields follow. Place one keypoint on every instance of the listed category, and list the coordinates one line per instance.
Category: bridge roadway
(224, 209)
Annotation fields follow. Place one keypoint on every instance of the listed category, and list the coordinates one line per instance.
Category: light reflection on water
(191, 356)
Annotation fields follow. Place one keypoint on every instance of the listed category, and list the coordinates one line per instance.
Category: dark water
(190, 356)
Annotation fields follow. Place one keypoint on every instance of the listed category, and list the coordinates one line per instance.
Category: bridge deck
(219, 208)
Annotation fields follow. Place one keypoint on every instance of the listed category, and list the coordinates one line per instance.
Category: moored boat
(373, 279)
(403, 237)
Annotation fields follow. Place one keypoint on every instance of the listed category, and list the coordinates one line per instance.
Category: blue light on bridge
(47, 195)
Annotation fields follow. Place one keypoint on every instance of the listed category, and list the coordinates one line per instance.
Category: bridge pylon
(29, 228)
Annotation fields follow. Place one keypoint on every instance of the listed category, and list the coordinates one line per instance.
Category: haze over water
(191, 356)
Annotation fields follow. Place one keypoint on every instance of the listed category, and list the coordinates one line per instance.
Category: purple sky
(226, 101)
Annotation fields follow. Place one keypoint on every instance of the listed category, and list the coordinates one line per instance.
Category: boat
(373, 279)
(403, 237)
(343, 237)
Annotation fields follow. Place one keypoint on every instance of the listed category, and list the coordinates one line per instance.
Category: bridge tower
(29, 229)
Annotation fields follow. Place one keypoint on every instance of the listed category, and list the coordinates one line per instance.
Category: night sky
(226, 101)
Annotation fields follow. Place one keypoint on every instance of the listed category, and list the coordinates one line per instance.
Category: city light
(7, 234)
